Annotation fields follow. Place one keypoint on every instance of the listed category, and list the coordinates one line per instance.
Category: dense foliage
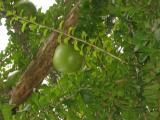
(120, 78)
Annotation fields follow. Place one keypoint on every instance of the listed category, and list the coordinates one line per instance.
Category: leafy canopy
(120, 40)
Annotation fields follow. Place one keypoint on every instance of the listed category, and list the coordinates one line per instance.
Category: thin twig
(73, 37)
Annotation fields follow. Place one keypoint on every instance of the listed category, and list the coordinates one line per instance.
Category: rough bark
(41, 65)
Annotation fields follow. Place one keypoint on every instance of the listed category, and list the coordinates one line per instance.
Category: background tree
(119, 79)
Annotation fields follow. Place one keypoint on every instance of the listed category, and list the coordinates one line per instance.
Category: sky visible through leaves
(3, 31)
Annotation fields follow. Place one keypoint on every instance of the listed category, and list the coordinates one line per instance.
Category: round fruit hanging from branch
(26, 7)
(66, 59)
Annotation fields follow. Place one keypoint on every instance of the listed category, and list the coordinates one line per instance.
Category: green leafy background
(120, 77)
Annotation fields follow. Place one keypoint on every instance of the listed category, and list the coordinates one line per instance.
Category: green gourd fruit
(66, 59)
(26, 7)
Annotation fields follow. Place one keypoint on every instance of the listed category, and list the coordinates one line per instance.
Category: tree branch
(41, 65)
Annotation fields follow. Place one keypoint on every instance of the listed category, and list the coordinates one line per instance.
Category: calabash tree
(117, 78)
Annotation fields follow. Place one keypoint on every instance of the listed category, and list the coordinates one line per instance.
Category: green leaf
(6, 110)
(24, 26)
(45, 32)
(32, 27)
(84, 35)
(76, 46)
(66, 40)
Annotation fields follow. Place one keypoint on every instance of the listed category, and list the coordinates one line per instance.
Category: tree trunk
(41, 65)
